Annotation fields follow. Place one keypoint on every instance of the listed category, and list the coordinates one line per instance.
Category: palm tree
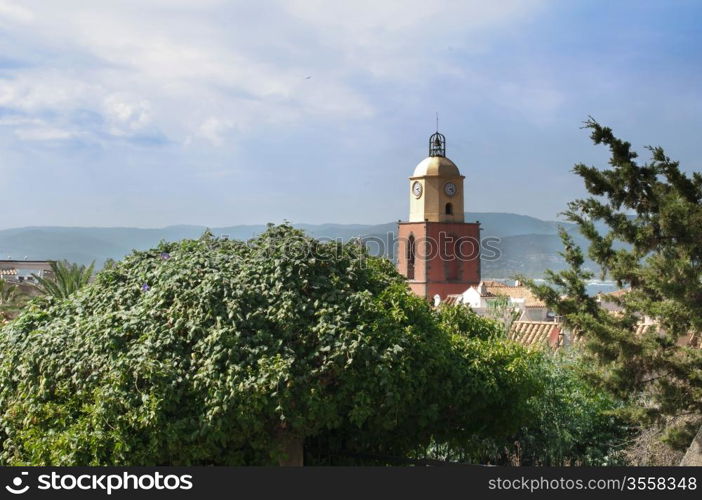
(66, 278)
(11, 299)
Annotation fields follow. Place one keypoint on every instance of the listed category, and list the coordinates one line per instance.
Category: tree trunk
(694, 452)
(291, 450)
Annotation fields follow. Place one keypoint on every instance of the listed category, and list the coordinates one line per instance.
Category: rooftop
(536, 333)
(496, 288)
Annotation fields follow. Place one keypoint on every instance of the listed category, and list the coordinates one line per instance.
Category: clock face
(417, 189)
(450, 188)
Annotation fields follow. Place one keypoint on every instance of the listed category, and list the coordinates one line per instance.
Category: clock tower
(438, 252)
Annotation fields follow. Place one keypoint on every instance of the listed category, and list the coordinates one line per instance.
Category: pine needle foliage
(652, 246)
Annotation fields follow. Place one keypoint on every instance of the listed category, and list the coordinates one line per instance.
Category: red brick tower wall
(446, 256)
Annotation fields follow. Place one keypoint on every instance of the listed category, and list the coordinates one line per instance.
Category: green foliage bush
(570, 422)
(574, 422)
(461, 320)
(470, 380)
(216, 352)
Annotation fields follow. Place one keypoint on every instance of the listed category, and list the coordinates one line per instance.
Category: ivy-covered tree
(652, 245)
(223, 352)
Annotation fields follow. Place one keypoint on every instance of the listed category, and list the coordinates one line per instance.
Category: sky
(150, 113)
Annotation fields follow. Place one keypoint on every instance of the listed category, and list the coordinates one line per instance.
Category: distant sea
(596, 286)
(593, 286)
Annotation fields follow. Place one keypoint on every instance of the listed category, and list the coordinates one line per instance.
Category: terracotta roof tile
(452, 299)
(536, 333)
(495, 284)
(516, 292)
(692, 339)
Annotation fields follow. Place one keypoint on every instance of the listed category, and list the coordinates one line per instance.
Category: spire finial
(437, 121)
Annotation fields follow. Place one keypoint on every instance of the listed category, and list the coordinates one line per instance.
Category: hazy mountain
(528, 245)
(504, 224)
(530, 255)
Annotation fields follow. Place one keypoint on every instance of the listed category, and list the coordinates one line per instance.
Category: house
(479, 298)
(609, 300)
(23, 271)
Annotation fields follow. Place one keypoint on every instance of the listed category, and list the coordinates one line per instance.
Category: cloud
(40, 90)
(14, 121)
(200, 68)
(34, 129)
(10, 11)
(126, 114)
(401, 39)
(43, 134)
(214, 128)
(146, 102)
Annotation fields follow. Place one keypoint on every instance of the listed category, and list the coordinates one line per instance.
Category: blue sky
(152, 113)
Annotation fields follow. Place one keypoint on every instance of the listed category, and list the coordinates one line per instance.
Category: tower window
(449, 209)
(410, 257)
(449, 254)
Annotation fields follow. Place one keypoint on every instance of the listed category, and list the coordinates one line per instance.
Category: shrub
(223, 352)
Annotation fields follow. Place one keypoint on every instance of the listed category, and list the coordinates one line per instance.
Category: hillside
(528, 245)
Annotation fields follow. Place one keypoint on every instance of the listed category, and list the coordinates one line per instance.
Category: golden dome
(436, 166)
